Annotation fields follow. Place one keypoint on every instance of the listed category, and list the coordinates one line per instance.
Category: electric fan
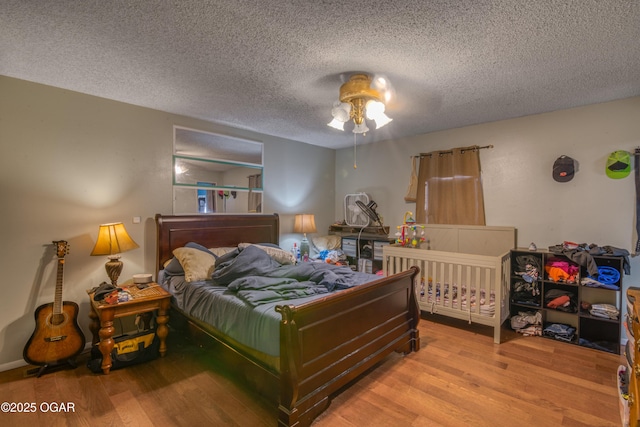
(370, 210)
(354, 216)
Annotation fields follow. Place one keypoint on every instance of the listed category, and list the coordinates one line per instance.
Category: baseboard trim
(12, 365)
(20, 363)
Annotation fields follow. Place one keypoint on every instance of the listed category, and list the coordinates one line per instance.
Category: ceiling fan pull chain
(355, 166)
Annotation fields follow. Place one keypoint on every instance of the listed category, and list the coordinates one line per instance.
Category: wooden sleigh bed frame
(324, 344)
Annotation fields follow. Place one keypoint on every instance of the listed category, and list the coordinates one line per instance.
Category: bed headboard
(211, 231)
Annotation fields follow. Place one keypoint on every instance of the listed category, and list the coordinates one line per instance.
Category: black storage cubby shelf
(529, 294)
(365, 252)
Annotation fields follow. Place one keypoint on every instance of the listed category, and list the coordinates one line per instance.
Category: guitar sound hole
(57, 319)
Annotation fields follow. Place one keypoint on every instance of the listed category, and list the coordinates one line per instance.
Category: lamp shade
(304, 223)
(113, 239)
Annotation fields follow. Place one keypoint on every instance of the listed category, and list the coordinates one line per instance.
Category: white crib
(461, 285)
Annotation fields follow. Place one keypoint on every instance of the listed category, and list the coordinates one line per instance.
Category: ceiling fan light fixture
(360, 100)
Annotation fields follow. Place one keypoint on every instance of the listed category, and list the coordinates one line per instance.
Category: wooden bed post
(289, 367)
(415, 311)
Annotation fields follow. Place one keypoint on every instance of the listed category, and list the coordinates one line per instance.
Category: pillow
(199, 247)
(173, 266)
(218, 252)
(326, 243)
(277, 254)
(197, 264)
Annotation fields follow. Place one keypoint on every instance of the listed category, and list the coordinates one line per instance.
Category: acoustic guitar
(57, 338)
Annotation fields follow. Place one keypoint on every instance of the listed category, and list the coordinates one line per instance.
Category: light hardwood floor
(459, 377)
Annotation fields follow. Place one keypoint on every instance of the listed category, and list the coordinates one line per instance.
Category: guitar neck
(57, 301)
(62, 248)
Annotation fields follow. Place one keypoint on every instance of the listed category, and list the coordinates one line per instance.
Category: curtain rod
(451, 151)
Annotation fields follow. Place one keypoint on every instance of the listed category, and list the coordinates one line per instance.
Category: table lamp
(113, 239)
(304, 223)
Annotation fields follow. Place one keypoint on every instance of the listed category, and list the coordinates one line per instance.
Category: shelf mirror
(214, 173)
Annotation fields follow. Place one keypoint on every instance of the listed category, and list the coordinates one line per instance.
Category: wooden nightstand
(144, 300)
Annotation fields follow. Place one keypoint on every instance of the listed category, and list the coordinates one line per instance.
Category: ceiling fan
(362, 96)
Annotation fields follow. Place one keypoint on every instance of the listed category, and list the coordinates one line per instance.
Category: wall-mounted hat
(618, 164)
(563, 169)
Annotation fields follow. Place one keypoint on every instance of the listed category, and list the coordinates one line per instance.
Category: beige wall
(518, 187)
(71, 162)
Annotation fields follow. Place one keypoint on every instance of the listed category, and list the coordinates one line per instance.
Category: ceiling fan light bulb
(374, 109)
(381, 81)
(341, 111)
(381, 120)
(336, 124)
(361, 128)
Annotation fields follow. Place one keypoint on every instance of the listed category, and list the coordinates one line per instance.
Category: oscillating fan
(354, 216)
(370, 210)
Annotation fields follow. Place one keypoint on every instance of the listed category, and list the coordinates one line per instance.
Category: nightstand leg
(106, 338)
(94, 325)
(163, 330)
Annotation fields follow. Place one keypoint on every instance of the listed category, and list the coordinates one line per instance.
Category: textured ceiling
(275, 66)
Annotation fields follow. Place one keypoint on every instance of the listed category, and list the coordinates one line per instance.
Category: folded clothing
(523, 292)
(561, 299)
(559, 331)
(527, 323)
(560, 270)
(606, 311)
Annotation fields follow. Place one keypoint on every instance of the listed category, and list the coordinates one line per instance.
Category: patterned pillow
(197, 264)
(277, 254)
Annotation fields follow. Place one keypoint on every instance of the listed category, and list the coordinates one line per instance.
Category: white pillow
(277, 254)
(197, 264)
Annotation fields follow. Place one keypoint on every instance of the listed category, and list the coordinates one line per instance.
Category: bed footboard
(329, 342)
(463, 286)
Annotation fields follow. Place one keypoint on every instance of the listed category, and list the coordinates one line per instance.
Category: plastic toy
(407, 234)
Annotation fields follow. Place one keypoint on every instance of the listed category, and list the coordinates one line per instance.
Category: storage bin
(349, 247)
